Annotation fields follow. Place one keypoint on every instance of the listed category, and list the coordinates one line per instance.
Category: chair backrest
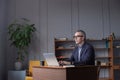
(33, 63)
(98, 63)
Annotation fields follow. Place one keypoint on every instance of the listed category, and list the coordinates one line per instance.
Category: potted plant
(20, 33)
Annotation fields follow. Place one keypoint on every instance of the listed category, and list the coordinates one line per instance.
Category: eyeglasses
(78, 36)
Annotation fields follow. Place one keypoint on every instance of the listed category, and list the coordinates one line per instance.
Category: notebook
(51, 59)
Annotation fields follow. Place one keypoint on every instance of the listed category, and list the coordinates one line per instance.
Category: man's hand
(64, 63)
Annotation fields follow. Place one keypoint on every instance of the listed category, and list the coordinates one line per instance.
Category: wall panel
(59, 21)
(90, 18)
(115, 17)
(3, 24)
(43, 12)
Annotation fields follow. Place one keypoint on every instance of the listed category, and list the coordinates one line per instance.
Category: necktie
(79, 52)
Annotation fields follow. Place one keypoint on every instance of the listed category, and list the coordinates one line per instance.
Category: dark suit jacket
(87, 56)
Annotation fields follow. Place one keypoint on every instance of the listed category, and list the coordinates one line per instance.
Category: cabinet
(103, 53)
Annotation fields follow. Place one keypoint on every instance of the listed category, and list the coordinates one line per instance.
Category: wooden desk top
(61, 67)
(57, 67)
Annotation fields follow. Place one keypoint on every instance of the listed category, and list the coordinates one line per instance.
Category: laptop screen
(51, 59)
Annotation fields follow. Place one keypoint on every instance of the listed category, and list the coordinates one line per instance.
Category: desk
(16, 75)
(62, 73)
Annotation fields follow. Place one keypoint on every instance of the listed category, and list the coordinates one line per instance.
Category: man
(84, 53)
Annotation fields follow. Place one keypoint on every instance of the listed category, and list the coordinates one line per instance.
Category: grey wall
(61, 18)
(3, 21)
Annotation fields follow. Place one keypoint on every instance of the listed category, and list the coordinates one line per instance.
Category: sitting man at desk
(84, 53)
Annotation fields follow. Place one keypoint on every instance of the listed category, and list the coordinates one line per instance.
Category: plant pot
(18, 65)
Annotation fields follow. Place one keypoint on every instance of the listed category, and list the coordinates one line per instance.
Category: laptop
(52, 61)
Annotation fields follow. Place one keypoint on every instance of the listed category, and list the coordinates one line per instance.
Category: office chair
(98, 63)
(31, 64)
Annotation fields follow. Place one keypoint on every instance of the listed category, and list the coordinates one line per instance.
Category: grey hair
(83, 32)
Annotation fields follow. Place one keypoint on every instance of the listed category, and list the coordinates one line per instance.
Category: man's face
(79, 37)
